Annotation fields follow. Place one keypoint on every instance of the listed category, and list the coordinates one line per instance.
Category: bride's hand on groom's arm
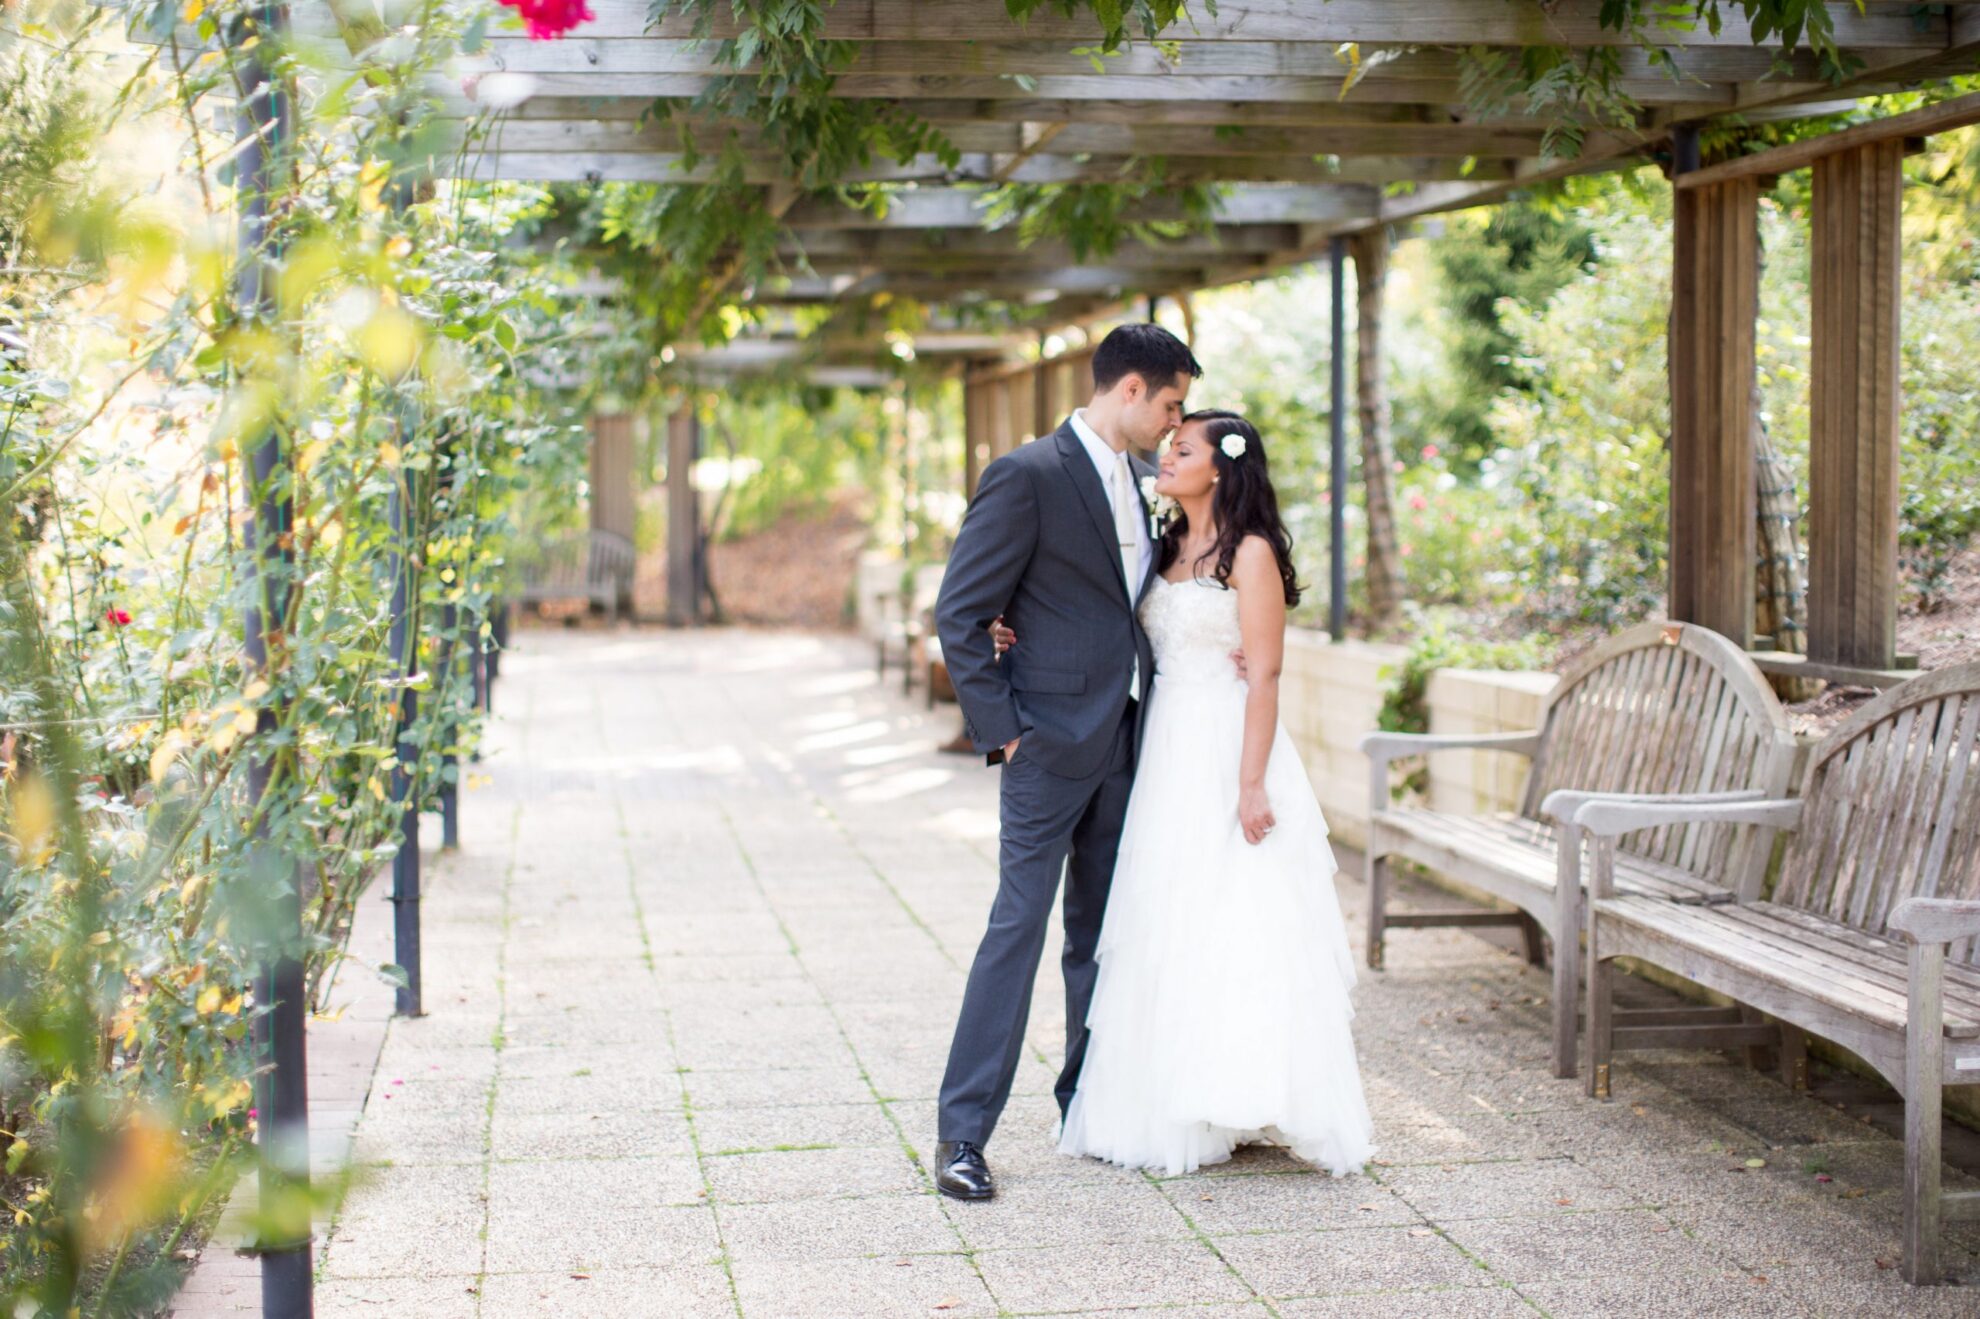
(1255, 813)
(1001, 636)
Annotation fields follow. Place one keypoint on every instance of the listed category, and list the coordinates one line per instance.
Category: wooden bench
(596, 567)
(1663, 708)
(1872, 935)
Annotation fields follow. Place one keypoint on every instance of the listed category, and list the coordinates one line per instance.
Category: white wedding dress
(1221, 1013)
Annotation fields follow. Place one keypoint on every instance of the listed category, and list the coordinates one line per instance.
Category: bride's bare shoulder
(1254, 558)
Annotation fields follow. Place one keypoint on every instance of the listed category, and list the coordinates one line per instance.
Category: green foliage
(405, 350)
(1094, 219)
(1405, 697)
(1939, 515)
(1519, 253)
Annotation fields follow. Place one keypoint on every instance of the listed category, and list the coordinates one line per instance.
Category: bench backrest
(1669, 707)
(612, 559)
(1892, 807)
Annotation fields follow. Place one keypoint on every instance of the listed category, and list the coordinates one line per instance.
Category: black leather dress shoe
(960, 1172)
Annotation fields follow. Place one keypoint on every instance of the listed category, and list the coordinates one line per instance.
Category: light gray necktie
(1127, 522)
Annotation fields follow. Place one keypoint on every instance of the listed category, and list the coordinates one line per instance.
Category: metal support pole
(405, 764)
(450, 795)
(279, 994)
(403, 644)
(1337, 471)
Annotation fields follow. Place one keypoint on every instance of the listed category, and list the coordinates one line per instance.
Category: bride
(1221, 1013)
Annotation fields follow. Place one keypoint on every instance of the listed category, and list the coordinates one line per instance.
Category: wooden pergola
(1258, 96)
(1323, 119)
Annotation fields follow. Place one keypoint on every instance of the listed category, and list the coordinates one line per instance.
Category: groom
(1057, 543)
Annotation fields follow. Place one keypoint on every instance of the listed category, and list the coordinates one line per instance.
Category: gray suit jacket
(1038, 547)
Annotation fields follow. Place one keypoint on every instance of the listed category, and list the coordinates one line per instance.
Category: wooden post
(976, 451)
(612, 473)
(1853, 410)
(683, 518)
(1715, 299)
(1370, 251)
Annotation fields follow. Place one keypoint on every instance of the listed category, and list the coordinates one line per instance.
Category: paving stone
(532, 1234)
(1653, 1297)
(774, 1087)
(452, 1297)
(1087, 1275)
(811, 1174)
(1486, 1302)
(1053, 1212)
(739, 1130)
(842, 1288)
(1287, 1202)
(688, 1292)
(1286, 1264)
(1520, 1188)
(881, 1225)
(1569, 1246)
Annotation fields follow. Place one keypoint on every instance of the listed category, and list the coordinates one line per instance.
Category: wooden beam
(1011, 144)
(1715, 271)
(1923, 122)
(1853, 408)
(1377, 22)
(1186, 58)
(961, 208)
(664, 167)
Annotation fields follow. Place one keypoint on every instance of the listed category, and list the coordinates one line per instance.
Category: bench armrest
(1562, 804)
(1611, 817)
(1382, 748)
(1936, 920)
(1393, 746)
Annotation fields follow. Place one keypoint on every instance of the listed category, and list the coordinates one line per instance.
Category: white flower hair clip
(1232, 445)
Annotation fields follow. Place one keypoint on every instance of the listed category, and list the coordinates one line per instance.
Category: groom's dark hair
(1146, 350)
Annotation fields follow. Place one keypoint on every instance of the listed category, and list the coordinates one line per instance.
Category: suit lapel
(1091, 493)
(1142, 471)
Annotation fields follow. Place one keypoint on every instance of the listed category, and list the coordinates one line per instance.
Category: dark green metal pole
(280, 1049)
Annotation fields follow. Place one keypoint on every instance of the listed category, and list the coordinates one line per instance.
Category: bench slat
(1884, 958)
(1831, 981)
(1526, 850)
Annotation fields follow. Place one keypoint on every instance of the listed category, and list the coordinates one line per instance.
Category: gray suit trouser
(1049, 825)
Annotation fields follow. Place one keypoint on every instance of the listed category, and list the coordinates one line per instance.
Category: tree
(1378, 460)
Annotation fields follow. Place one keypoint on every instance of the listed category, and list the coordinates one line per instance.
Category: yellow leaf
(377, 788)
(100, 938)
(208, 1001)
(192, 11)
(33, 815)
(192, 888)
(223, 738)
(255, 690)
(168, 751)
(245, 721)
(232, 1006)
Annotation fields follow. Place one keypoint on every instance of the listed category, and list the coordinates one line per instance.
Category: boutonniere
(1160, 507)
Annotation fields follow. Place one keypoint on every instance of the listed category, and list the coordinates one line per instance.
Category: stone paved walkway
(690, 986)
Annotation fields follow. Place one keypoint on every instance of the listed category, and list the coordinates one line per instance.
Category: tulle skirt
(1221, 1015)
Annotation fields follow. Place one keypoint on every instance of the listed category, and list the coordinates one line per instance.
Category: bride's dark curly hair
(1244, 503)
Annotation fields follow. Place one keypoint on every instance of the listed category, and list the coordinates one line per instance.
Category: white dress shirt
(1103, 456)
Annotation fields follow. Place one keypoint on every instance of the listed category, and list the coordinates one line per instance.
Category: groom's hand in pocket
(1010, 749)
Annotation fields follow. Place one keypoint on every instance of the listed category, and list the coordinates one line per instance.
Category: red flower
(1429, 451)
(1418, 502)
(549, 19)
(118, 616)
